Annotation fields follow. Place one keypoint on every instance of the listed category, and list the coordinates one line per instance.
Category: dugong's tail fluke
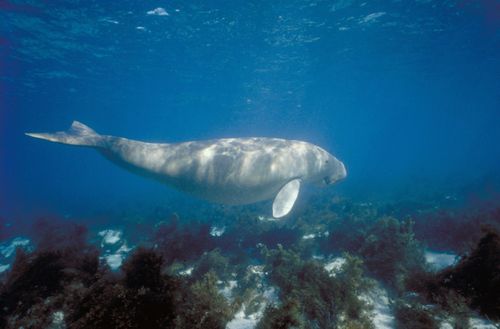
(78, 134)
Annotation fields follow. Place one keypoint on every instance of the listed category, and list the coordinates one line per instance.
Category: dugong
(231, 171)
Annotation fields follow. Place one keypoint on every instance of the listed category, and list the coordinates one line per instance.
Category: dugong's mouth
(340, 174)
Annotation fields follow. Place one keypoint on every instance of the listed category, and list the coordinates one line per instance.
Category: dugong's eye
(326, 161)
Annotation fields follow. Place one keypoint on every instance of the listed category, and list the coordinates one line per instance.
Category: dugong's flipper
(284, 200)
(78, 134)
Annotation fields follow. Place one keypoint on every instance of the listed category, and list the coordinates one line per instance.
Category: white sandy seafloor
(383, 317)
(439, 260)
(57, 321)
(7, 251)
(474, 323)
(378, 298)
(114, 248)
(242, 320)
(267, 294)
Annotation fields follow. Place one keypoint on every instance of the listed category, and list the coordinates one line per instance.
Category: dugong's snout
(337, 172)
(342, 171)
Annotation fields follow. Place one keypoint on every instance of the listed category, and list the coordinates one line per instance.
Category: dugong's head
(333, 170)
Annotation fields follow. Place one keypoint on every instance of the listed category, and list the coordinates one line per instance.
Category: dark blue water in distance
(406, 93)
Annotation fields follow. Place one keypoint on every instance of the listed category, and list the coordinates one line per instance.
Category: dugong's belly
(229, 187)
(233, 195)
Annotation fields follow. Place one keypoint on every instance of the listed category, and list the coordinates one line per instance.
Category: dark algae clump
(474, 281)
(34, 277)
(142, 298)
(203, 306)
(143, 270)
(177, 241)
(287, 315)
(38, 279)
(391, 251)
(146, 298)
(414, 316)
(477, 276)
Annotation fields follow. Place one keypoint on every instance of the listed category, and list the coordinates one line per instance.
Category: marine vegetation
(387, 245)
(324, 301)
(391, 251)
(473, 282)
(182, 242)
(336, 264)
(456, 230)
(414, 316)
(287, 315)
(37, 281)
(70, 285)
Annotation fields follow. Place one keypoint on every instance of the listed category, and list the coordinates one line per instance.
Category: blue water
(405, 93)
